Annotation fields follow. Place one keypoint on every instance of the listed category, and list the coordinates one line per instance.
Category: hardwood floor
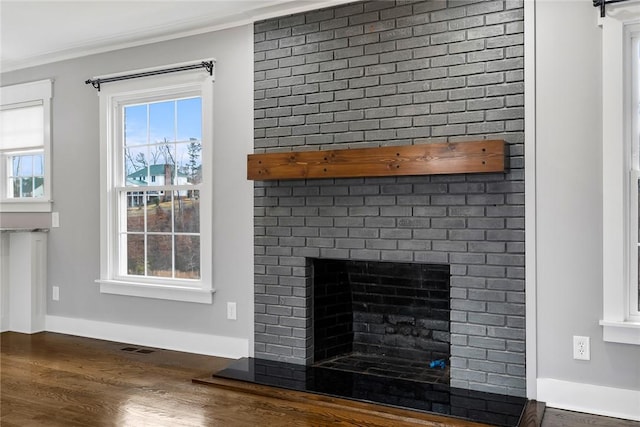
(51, 379)
(560, 418)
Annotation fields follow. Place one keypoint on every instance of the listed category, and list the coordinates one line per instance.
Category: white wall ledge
(172, 293)
(621, 332)
(21, 206)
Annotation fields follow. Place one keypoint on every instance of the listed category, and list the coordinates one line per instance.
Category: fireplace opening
(382, 318)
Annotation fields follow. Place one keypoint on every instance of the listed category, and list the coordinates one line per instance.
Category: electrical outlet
(55, 293)
(231, 311)
(581, 348)
(55, 219)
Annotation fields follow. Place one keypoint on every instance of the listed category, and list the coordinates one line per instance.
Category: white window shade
(22, 127)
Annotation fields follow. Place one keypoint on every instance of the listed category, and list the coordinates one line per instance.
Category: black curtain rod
(602, 3)
(208, 65)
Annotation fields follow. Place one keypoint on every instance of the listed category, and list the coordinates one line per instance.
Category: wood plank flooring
(51, 379)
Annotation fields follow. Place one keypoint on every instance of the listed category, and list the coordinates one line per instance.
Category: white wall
(74, 247)
(569, 219)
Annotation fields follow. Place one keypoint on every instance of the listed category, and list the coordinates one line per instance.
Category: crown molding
(185, 28)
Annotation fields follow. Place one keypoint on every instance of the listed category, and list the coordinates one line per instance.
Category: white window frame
(113, 97)
(26, 94)
(632, 39)
(620, 321)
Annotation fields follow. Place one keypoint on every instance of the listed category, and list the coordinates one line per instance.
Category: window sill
(21, 206)
(173, 293)
(621, 332)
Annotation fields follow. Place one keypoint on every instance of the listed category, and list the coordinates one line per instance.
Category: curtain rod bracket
(94, 83)
(603, 3)
(207, 65)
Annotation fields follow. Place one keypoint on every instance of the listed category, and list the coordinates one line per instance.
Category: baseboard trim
(588, 398)
(212, 345)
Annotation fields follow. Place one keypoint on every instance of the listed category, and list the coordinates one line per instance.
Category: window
(621, 173)
(25, 170)
(156, 197)
(26, 174)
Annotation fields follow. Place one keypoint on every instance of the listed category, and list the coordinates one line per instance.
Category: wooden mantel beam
(422, 159)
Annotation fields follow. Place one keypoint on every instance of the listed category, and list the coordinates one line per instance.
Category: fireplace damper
(381, 318)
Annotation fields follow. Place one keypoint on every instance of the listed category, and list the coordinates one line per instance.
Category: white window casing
(620, 320)
(26, 129)
(113, 97)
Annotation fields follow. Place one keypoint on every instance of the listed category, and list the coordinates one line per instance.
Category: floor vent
(137, 350)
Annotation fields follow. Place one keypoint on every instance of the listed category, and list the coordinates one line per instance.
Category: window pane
(164, 163)
(159, 213)
(135, 125)
(162, 121)
(136, 166)
(38, 189)
(26, 166)
(15, 187)
(135, 211)
(38, 164)
(190, 155)
(160, 255)
(16, 168)
(188, 257)
(135, 254)
(189, 119)
(27, 187)
(186, 211)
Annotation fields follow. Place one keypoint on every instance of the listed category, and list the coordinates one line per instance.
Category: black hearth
(440, 399)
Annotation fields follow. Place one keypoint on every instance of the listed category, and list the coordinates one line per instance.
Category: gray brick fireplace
(395, 73)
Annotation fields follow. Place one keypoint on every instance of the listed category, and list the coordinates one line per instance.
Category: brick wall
(391, 73)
